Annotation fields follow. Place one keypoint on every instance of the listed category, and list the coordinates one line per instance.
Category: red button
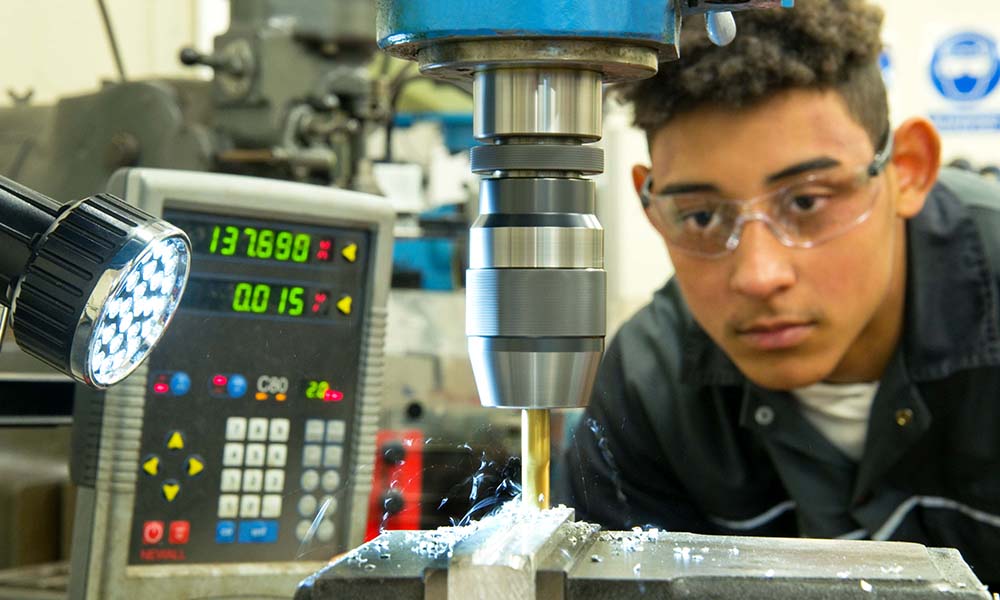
(152, 532)
(179, 532)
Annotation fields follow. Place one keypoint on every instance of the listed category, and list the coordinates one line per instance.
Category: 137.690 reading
(253, 242)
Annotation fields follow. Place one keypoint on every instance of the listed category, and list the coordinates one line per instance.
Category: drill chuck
(536, 284)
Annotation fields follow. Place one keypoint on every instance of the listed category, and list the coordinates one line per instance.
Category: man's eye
(700, 219)
(806, 203)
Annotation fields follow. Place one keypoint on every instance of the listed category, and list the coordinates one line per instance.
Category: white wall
(59, 47)
(634, 255)
(913, 28)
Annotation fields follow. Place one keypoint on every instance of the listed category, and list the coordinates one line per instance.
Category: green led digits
(263, 244)
(283, 246)
(300, 249)
(291, 299)
(256, 298)
(316, 389)
(228, 242)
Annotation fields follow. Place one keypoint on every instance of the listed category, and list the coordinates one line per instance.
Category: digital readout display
(257, 298)
(232, 238)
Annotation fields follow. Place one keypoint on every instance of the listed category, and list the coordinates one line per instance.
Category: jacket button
(764, 415)
(904, 417)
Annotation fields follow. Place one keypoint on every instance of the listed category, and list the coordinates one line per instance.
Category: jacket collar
(951, 319)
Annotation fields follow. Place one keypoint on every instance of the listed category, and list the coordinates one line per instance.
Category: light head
(91, 285)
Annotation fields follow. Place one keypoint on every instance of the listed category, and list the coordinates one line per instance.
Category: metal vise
(520, 555)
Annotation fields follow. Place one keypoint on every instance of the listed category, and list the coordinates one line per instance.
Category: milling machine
(536, 285)
(535, 323)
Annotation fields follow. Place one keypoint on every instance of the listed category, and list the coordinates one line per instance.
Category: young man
(826, 360)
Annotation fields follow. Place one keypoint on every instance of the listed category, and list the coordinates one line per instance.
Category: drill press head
(535, 315)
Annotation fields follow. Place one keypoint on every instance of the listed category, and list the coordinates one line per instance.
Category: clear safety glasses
(804, 214)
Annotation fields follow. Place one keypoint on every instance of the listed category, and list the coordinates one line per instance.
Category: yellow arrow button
(170, 491)
(195, 466)
(344, 305)
(350, 252)
(176, 441)
(152, 465)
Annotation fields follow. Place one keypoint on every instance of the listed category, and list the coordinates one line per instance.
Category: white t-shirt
(840, 411)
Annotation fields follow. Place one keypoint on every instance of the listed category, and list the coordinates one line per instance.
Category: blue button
(237, 386)
(180, 383)
(225, 532)
(258, 532)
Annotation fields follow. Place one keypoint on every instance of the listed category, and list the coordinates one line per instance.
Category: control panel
(239, 457)
(251, 395)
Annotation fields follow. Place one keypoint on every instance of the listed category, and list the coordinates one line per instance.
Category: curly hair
(819, 44)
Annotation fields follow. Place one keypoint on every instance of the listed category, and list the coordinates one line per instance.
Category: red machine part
(397, 483)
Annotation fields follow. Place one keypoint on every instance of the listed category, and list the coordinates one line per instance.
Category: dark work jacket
(676, 437)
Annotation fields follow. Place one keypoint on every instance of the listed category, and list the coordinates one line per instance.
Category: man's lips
(775, 334)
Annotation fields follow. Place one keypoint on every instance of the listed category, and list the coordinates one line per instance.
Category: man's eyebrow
(823, 162)
(815, 164)
(687, 188)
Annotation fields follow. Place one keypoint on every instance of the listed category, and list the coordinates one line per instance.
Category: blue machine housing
(422, 21)
(647, 22)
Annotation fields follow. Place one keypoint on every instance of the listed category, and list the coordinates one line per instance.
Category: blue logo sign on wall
(966, 67)
(887, 67)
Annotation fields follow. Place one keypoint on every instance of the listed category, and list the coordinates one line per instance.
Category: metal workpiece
(535, 372)
(521, 554)
(538, 101)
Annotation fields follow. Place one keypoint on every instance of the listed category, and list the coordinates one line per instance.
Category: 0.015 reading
(256, 298)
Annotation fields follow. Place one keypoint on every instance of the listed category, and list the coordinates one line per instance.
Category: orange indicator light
(280, 397)
(261, 396)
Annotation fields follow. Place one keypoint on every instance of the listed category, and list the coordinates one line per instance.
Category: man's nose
(761, 266)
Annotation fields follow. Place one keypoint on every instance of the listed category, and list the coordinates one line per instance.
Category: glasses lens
(698, 222)
(820, 208)
(802, 214)
(137, 311)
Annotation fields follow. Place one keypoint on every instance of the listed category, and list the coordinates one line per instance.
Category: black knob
(393, 453)
(414, 410)
(191, 57)
(392, 502)
(226, 63)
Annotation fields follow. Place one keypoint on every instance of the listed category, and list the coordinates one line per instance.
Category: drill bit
(535, 448)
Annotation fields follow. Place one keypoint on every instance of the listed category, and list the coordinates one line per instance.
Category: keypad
(322, 460)
(255, 456)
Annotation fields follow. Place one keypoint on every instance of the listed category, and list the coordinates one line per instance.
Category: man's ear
(916, 159)
(639, 175)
